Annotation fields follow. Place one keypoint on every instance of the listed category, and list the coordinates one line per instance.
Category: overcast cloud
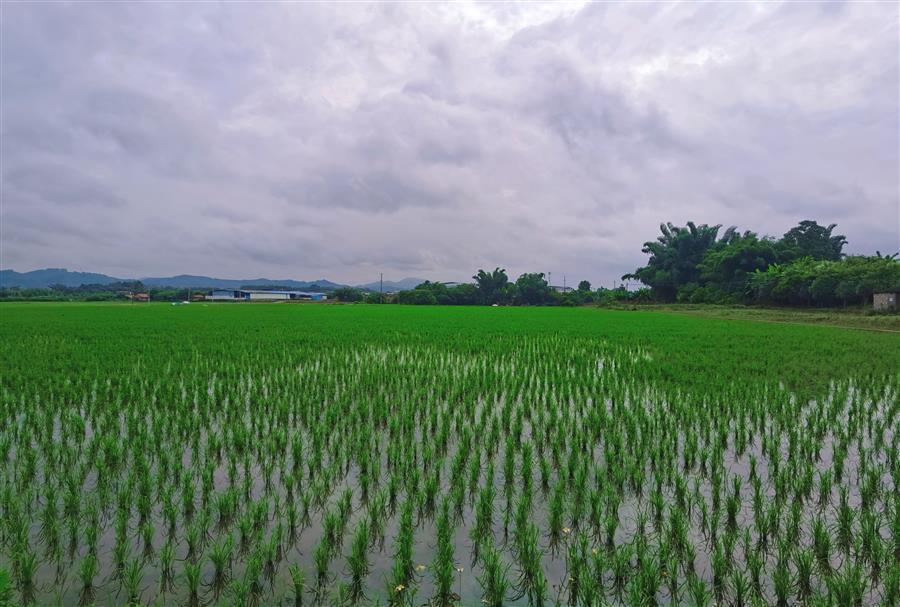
(340, 141)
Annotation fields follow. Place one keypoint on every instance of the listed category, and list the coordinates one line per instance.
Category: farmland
(303, 454)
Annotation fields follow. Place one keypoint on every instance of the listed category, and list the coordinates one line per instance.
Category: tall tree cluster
(806, 266)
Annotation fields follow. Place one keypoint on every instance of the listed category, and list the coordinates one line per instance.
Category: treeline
(495, 288)
(118, 291)
(805, 267)
(96, 292)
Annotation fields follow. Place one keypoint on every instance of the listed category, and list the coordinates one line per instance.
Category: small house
(140, 297)
(886, 302)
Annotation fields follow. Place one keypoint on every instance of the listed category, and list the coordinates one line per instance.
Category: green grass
(304, 454)
(854, 317)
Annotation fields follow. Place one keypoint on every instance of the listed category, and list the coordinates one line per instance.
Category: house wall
(884, 302)
(269, 296)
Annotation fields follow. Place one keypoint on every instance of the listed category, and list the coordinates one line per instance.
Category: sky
(303, 141)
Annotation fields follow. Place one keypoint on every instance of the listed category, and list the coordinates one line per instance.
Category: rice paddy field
(279, 454)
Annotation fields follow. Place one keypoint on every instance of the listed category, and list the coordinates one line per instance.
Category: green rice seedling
(544, 466)
(891, 595)
(721, 567)
(740, 589)
(253, 579)
(166, 567)
(804, 561)
(755, 564)
(220, 555)
(621, 567)
(669, 573)
(847, 586)
(895, 527)
(484, 515)
(25, 565)
(822, 545)
(493, 580)
(322, 560)
(403, 568)
(870, 539)
(73, 526)
(192, 538)
(576, 569)
(147, 533)
(132, 576)
(443, 566)
(121, 552)
(246, 533)
(271, 555)
(6, 591)
(699, 593)
(88, 571)
(555, 516)
(846, 517)
(170, 515)
(192, 572)
(645, 583)
(782, 583)
(298, 583)
(377, 519)
(358, 560)
(188, 506)
(532, 582)
(824, 488)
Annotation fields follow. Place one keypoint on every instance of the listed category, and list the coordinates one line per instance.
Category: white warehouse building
(261, 295)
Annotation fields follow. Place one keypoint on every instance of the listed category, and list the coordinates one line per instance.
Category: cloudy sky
(428, 140)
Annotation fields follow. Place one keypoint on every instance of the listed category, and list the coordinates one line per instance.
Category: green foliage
(805, 267)
(493, 286)
(675, 257)
(809, 239)
(6, 592)
(348, 294)
(807, 281)
(532, 289)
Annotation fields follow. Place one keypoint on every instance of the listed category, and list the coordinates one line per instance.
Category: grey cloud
(373, 192)
(435, 151)
(56, 184)
(313, 140)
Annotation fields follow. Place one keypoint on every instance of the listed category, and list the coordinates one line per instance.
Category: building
(260, 295)
(138, 296)
(561, 289)
(886, 302)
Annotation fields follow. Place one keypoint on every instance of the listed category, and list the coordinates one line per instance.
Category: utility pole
(381, 287)
(564, 283)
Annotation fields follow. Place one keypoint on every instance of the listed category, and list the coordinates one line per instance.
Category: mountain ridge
(45, 277)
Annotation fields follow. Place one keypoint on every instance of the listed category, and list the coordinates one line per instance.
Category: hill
(42, 279)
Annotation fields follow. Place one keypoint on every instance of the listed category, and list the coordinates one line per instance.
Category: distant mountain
(390, 285)
(41, 279)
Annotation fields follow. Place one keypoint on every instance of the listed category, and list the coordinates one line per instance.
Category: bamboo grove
(397, 456)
